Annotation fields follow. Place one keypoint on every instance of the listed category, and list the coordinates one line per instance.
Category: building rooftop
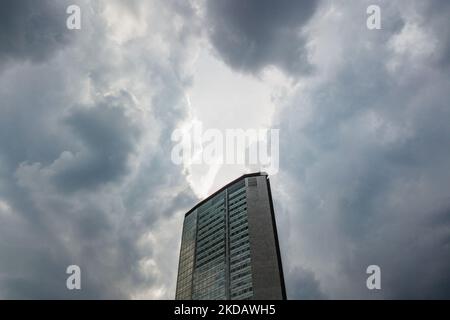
(247, 175)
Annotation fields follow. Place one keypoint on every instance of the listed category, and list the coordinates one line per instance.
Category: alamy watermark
(73, 281)
(73, 21)
(373, 21)
(374, 280)
(250, 147)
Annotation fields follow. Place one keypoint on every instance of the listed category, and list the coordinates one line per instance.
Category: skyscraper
(229, 246)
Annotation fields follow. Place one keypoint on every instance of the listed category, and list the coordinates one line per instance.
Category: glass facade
(210, 256)
(239, 244)
(186, 264)
(215, 250)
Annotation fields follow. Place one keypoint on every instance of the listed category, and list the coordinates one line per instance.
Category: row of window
(188, 234)
(206, 261)
(209, 292)
(211, 237)
(239, 236)
(239, 259)
(184, 285)
(186, 263)
(210, 242)
(214, 280)
(238, 285)
(216, 272)
(238, 210)
(235, 187)
(186, 250)
(217, 220)
(211, 283)
(241, 275)
(219, 262)
(239, 229)
(206, 218)
(237, 204)
(216, 295)
(185, 258)
(218, 230)
(238, 218)
(240, 249)
(238, 243)
(185, 272)
(214, 229)
(211, 204)
(238, 185)
(190, 220)
(232, 202)
(240, 292)
(208, 252)
(240, 267)
(238, 221)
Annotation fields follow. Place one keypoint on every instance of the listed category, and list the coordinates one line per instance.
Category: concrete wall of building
(267, 281)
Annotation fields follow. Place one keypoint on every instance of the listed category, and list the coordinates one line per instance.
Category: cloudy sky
(86, 118)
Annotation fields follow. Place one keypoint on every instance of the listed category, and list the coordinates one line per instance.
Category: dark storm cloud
(251, 34)
(439, 23)
(85, 171)
(42, 233)
(108, 137)
(303, 285)
(371, 161)
(32, 30)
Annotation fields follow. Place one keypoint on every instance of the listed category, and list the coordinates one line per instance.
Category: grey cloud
(83, 177)
(251, 35)
(371, 167)
(439, 23)
(364, 148)
(32, 30)
(303, 285)
(108, 138)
